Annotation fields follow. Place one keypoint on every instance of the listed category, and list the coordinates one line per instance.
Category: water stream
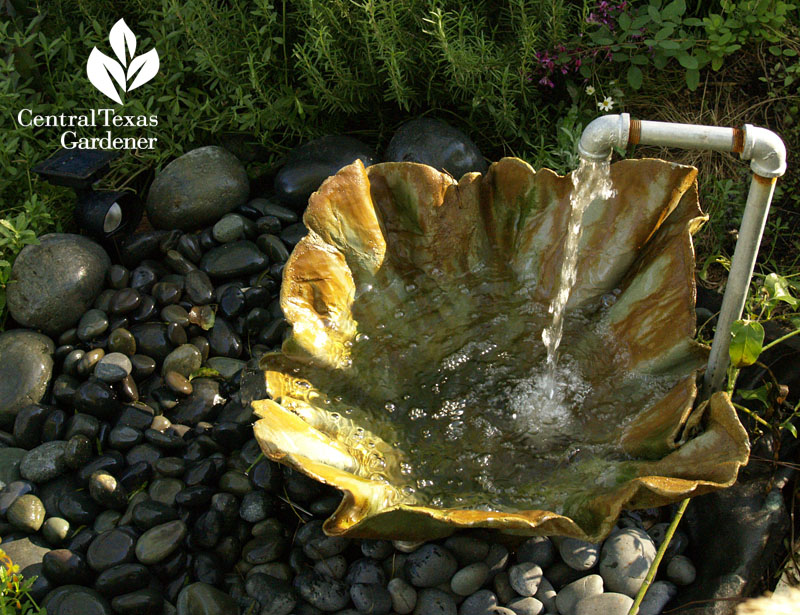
(591, 180)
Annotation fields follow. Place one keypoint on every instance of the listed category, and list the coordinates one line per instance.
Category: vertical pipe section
(767, 155)
(742, 265)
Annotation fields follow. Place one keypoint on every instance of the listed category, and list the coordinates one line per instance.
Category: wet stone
(118, 276)
(293, 233)
(78, 508)
(233, 259)
(276, 596)
(223, 340)
(106, 491)
(111, 461)
(96, 397)
(145, 311)
(151, 340)
(55, 530)
(75, 600)
(365, 570)
(62, 567)
(431, 601)
(178, 383)
(546, 594)
(308, 165)
(625, 559)
(125, 300)
(184, 360)
(226, 366)
(122, 579)
(10, 459)
(273, 247)
(26, 366)
(199, 288)
(175, 314)
(525, 606)
(525, 578)
(657, 597)
(572, 593)
(149, 514)
(430, 565)
(579, 554)
(681, 570)
(166, 293)
(371, 598)
(322, 592)
(265, 548)
(78, 451)
(404, 596)
(111, 548)
(540, 550)
(157, 543)
(200, 404)
(229, 228)
(268, 224)
(89, 360)
(142, 602)
(232, 301)
(604, 604)
(123, 437)
(113, 367)
(143, 366)
(26, 513)
(122, 341)
(469, 579)
(207, 568)
(72, 361)
(164, 490)
(55, 281)
(44, 462)
(203, 599)
(176, 333)
(135, 476)
(189, 246)
(196, 189)
(435, 143)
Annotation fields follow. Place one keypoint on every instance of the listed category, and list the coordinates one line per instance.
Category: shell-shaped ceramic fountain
(414, 378)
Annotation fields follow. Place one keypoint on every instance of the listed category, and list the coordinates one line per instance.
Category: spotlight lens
(113, 218)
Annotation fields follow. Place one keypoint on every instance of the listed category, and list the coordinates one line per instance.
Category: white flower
(589, 90)
(607, 104)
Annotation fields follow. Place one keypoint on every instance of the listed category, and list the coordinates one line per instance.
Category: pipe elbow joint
(603, 134)
(765, 150)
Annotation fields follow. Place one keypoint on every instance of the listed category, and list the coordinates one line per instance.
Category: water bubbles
(399, 314)
(411, 287)
(390, 407)
(362, 337)
(406, 469)
(416, 413)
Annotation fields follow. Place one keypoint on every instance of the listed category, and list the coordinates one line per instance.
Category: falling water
(590, 181)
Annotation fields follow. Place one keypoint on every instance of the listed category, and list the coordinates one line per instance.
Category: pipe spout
(603, 134)
(765, 150)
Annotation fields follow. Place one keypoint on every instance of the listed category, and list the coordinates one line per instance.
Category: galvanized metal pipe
(767, 155)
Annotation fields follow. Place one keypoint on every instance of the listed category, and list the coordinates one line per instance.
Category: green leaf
(674, 10)
(687, 61)
(669, 44)
(635, 77)
(775, 50)
(624, 21)
(789, 426)
(746, 344)
(640, 59)
(692, 79)
(664, 33)
(777, 288)
(761, 394)
(789, 53)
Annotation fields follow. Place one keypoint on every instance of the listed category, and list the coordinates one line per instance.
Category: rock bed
(137, 489)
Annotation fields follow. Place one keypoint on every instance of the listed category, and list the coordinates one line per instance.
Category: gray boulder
(197, 189)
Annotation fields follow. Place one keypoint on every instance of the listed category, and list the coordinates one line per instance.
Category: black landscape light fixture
(105, 215)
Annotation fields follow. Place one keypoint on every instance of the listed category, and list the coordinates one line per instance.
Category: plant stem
(651, 574)
(779, 340)
(751, 413)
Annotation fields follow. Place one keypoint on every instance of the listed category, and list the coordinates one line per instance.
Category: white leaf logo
(129, 73)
